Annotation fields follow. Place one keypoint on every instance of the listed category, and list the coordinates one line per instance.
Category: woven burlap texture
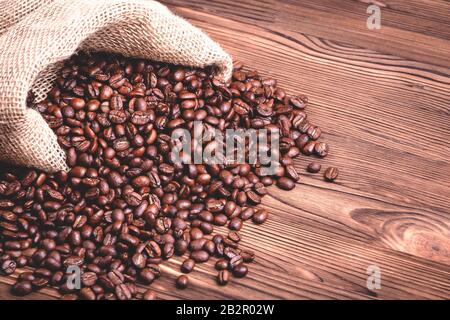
(37, 35)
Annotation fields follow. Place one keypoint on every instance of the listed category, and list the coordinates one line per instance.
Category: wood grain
(382, 99)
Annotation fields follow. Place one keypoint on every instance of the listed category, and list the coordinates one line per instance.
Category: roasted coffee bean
(321, 149)
(8, 267)
(260, 216)
(285, 183)
(314, 132)
(291, 172)
(22, 288)
(314, 167)
(87, 294)
(240, 271)
(200, 256)
(234, 236)
(180, 247)
(223, 277)
(221, 264)
(149, 295)
(88, 279)
(247, 213)
(123, 292)
(235, 261)
(147, 276)
(235, 224)
(187, 265)
(182, 282)
(139, 261)
(331, 174)
(308, 148)
(299, 102)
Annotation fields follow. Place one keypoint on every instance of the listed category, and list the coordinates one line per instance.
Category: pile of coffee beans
(125, 206)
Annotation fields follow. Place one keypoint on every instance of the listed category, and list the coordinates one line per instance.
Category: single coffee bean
(260, 216)
(147, 276)
(123, 292)
(235, 224)
(321, 149)
(285, 183)
(87, 294)
(8, 267)
(187, 266)
(308, 148)
(149, 295)
(221, 264)
(22, 288)
(234, 236)
(314, 167)
(331, 173)
(223, 277)
(182, 282)
(291, 173)
(200, 256)
(240, 271)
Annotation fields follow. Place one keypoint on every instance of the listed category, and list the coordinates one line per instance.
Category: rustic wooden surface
(382, 98)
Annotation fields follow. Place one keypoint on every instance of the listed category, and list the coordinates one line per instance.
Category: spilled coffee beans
(127, 205)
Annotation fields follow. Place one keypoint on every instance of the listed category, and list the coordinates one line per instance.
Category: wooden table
(382, 98)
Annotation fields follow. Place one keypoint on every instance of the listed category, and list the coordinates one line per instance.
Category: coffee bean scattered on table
(331, 173)
(125, 206)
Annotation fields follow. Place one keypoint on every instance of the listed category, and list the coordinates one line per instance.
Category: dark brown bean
(285, 183)
(314, 167)
(182, 282)
(331, 173)
(187, 265)
(223, 277)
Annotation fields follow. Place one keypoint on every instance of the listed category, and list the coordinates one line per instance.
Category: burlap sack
(37, 35)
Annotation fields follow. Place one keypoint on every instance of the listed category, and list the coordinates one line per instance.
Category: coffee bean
(182, 282)
(308, 148)
(147, 276)
(8, 267)
(285, 183)
(291, 172)
(88, 279)
(235, 224)
(221, 264)
(260, 216)
(187, 266)
(321, 149)
(149, 295)
(123, 292)
(199, 256)
(331, 173)
(314, 167)
(223, 277)
(235, 261)
(234, 236)
(314, 132)
(240, 271)
(22, 288)
(299, 102)
(247, 213)
(87, 294)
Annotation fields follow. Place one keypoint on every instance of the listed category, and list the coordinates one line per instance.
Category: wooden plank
(415, 30)
(386, 116)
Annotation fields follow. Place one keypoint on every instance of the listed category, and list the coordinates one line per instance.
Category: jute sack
(37, 35)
